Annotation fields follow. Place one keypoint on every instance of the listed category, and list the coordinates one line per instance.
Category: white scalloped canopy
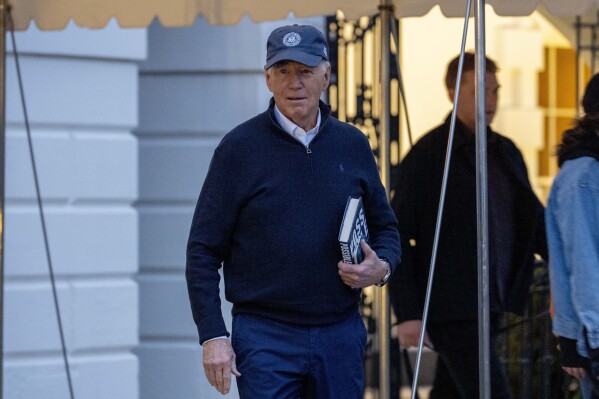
(56, 14)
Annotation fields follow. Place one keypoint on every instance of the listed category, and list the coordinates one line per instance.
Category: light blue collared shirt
(294, 130)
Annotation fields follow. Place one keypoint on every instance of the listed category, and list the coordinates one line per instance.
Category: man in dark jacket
(270, 212)
(515, 235)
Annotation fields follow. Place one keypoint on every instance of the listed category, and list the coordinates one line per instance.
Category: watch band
(387, 275)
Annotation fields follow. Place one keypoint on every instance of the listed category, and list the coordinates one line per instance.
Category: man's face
(466, 109)
(296, 89)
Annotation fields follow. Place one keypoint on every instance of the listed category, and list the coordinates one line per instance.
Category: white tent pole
(2, 170)
(383, 316)
(431, 273)
(481, 206)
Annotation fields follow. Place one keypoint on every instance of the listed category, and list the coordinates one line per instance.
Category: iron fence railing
(526, 345)
(528, 349)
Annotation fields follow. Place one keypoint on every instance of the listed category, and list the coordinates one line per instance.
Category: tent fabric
(56, 14)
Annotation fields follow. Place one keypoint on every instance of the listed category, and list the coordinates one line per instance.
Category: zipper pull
(308, 150)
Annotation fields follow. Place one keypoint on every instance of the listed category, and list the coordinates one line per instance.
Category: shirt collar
(288, 125)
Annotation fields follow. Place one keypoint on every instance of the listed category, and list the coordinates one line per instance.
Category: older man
(269, 212)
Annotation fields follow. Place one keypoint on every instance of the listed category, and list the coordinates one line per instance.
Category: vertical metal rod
(2, 170)
(385, 76)
(383, 317)
(546, 343)
(431, 272)
(11, 28)
(578, 34)
(481, 205)
(592, 47)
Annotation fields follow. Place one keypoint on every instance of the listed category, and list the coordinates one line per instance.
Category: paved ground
(422, 393)
(404, 394)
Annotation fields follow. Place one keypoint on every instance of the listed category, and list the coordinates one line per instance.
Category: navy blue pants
(288, 361)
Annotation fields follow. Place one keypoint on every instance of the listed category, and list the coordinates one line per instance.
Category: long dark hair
(585, 131)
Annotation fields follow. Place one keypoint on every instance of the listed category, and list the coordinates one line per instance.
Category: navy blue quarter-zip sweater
(270, 211)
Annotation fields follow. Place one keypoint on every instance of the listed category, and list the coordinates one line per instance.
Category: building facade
(124, 123)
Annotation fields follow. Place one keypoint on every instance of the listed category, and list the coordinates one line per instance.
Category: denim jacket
(572, 222)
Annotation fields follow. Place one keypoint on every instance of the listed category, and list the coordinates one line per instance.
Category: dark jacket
(271, 209)
(415, 203)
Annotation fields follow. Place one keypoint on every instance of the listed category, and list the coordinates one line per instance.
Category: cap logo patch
(291, 39)
(324, 50)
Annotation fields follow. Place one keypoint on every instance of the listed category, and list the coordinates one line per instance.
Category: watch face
(387, 275)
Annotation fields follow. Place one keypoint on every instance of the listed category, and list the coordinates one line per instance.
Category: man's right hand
(219, 364)
(408, 333)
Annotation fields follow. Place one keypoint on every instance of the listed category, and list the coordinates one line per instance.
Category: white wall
(81, 88)
(114, 200)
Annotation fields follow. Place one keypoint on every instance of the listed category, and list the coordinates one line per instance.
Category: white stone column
(197, 84)
(520, 117)
(81, 88)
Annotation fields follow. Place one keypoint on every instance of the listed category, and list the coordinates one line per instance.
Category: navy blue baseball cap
(301, 43)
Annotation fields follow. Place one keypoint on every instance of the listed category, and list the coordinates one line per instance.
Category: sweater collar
(325, 112)
(289, 126)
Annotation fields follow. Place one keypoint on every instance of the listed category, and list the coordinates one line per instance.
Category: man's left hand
(371, 271)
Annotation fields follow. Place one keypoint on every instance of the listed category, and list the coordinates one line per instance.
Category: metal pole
(431, 272)
(383, 316)
(2, 160)
(578, 33)
(481, 205)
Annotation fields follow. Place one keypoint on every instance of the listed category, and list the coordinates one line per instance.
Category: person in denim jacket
(572, 222)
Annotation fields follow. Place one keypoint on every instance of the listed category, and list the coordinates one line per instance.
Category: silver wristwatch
(387, 275)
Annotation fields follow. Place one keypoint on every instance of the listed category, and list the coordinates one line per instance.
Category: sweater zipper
(309, 154)
(308, 150)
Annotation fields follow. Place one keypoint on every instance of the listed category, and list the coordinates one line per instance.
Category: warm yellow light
(333, 98)
(351, 83)
(368, 78)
